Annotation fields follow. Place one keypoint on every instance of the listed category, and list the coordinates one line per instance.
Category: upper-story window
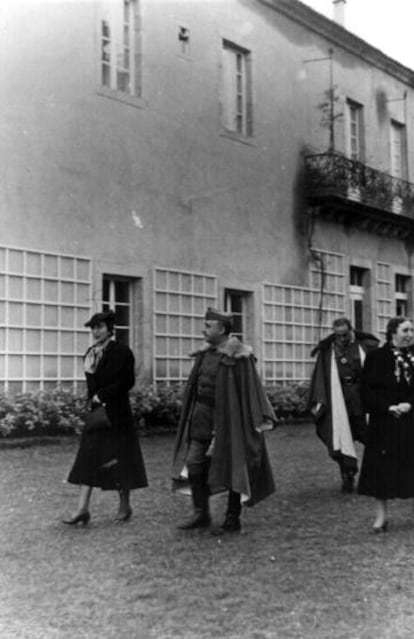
(402, 290)
(398, 150)
(355, 141)
(237, 90)
(119, 50)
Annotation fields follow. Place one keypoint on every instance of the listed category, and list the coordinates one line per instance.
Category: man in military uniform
(220, 438)
(335, 400)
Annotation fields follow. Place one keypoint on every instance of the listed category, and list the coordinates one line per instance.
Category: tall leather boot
(200, 495)
(232, 519)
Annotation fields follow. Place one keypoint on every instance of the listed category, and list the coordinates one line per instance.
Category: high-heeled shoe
(82, 518)
(125, 516)
(382, 528)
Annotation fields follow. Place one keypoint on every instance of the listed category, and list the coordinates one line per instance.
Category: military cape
(320, 388)
(239, 459)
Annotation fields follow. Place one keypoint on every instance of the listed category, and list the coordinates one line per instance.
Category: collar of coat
(360, 336)
(232, 347)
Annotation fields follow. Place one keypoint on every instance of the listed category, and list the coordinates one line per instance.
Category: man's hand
(399, 409)
(404, 407)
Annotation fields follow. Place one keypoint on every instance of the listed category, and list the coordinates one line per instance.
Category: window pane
(15, 365)
(33, 340)
(122, 315)
(67, 293)
(66, 268)
(33, 366)
(51, 316)
(34, 264)
(33, 289)
(15, 340)
(51, 291)
(16, 261)
(122, 291)
(15, 314)
(67, 317)
(51, 265)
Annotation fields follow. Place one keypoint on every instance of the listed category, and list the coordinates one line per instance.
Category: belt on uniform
(208, 401)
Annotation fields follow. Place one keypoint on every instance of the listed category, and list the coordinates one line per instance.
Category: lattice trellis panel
(294, 319)
(45, 298)
(180, 302)
(385, 302)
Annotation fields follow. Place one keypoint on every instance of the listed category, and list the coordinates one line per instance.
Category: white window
(120, 47)
(355, 131)
(357, 296)
(181, 299)
(45, 299)
(237, 90)
(295, 319)
(117, 296)
(398, 150)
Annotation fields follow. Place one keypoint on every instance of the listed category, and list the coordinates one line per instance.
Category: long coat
(239, 459)
(111, 459)
(320, 387)
(387, 469)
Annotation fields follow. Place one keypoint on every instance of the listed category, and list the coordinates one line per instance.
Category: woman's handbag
(97, 419)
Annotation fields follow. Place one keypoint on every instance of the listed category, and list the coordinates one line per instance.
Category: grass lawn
(306, 564)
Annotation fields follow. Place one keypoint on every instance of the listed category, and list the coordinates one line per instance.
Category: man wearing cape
(220, 444)
(334, 398)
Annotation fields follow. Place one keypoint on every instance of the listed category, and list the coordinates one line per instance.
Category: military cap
(104, 316)
(220, 316)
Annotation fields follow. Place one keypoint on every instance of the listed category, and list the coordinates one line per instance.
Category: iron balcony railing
(333, 175)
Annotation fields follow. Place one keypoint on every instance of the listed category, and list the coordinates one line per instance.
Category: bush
(52, 412)
(157, 408)
(289, 401)
(61, 411)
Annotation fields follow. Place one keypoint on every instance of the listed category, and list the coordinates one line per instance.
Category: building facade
(161, 156)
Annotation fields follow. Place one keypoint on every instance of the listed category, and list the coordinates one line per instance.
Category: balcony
(357, 195)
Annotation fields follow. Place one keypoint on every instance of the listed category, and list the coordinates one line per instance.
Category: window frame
(112, 303)
(356, 109)
(113, 47)
(237, 96)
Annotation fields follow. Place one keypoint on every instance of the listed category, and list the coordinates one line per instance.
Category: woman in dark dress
(387, 470)
(109, 459)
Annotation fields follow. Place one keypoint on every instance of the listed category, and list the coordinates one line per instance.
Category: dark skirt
(387, 470)
(110, 460)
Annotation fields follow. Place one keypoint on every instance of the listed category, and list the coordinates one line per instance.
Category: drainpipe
(339, 12)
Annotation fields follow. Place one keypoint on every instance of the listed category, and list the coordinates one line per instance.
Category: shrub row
(61, 411)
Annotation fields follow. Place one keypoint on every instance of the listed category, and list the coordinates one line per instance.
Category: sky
(386, 24)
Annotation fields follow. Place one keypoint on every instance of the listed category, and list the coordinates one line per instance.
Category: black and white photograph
(206, 319)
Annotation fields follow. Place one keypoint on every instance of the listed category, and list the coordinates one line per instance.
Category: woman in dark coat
(387, 470)
(109, 459)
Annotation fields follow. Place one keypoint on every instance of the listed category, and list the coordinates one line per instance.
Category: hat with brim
(108, 317)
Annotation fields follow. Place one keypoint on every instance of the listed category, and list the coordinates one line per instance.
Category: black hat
(104, 316)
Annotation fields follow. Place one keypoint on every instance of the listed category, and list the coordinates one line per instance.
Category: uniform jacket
(239, 459)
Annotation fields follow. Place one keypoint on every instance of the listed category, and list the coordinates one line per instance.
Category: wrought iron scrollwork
(334, 174)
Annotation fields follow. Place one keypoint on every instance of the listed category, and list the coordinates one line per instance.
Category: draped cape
(242, 411)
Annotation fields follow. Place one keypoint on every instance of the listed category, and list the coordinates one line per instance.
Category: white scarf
(341, 429)
(93, 356)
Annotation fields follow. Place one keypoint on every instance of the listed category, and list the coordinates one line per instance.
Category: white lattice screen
(294, 319)
(385, 303)
(180, 302)
(45, 299)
